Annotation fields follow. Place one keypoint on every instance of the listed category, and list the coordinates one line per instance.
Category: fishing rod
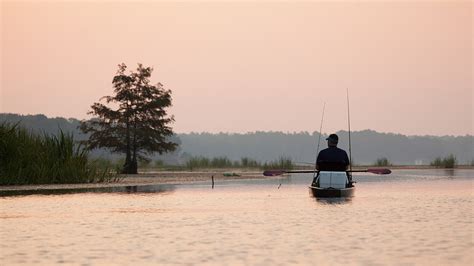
(349, 123)
(317, 150)
(319, 140)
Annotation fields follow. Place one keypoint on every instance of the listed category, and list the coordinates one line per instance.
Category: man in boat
(332, 158)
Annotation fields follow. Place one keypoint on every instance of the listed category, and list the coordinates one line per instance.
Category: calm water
(408, 218)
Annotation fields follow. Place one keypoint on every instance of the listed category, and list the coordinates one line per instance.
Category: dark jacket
(332, 159)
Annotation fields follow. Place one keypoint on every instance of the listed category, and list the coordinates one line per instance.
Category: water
(407, 218)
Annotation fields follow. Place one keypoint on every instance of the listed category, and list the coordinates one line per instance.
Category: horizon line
(264, 131)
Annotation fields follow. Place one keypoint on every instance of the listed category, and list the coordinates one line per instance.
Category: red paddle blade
(379, 171)
(273, 172)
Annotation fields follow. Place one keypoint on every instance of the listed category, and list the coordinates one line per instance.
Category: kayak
(332, 184)
(319, 192)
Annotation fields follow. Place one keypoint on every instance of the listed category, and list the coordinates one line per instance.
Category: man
(332, 158)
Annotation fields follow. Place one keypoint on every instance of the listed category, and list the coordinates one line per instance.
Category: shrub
(144, 162)
(382, 162)
(197, 162)
(249, 163)
(446, 162)
(159, 163)
(281, 163)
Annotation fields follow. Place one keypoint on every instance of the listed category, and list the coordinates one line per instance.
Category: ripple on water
(415, 223)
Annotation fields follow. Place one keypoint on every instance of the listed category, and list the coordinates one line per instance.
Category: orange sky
(247, 66)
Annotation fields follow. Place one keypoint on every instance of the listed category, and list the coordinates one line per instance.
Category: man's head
(333, 139)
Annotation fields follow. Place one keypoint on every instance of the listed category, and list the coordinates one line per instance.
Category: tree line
(367, 145)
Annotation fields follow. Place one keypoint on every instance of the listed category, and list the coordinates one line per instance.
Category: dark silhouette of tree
(138, 125)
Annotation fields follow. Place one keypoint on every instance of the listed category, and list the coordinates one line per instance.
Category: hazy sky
(248, 66)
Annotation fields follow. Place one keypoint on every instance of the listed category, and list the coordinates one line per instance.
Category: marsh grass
(249, 163)
(203, 162)
(27, 158)
(245, 162)
(281, 163)
(446, 162)
(382, 162)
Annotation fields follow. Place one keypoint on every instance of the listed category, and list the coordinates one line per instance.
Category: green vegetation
(446, 162)
(281, 163)
(245, 162)
(139, 125)
(217, 162)
(249, 163)
(26, 158)
(382, 162)
(266, 146)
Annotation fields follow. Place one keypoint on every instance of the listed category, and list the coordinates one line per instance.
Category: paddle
(377, 171)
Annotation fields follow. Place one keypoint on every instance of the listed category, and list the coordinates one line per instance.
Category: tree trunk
(129, 167)
(134, 166)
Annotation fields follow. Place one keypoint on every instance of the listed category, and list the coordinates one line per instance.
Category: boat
(332, 184)
(318, 192)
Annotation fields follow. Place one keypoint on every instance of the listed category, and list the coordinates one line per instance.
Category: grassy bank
(27, 158)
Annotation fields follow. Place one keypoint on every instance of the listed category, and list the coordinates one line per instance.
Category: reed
(223, 162)
(27, 158)
(220, 162)
(217, 162)
(245, 162)
(249, 163)
(281, 163)
(446, 162)
(197, 162)
(382, 162)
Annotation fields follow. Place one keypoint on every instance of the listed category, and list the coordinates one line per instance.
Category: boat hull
(331, 192)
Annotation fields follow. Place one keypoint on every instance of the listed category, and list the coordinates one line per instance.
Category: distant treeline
(367, 145)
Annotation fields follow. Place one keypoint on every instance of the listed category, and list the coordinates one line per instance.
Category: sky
(244, 66)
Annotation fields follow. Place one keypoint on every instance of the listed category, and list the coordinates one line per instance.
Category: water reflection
(449, 173)
(332, 201)
(117, 189)
(413, 221)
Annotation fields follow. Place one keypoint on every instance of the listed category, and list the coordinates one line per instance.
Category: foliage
(249, 163)
(114, 166)
(382, 162)
(139, 126)
(198, 162)
(159, 163)
(265, 146)
(144, 162)
(27, 158)
(281, 163)
(446, 162)
(245, 162)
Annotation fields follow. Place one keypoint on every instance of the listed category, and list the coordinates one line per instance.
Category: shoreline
(151, 177)
(143, 179)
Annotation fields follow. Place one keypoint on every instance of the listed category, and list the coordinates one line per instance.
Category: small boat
(332, 184)
(331, 192)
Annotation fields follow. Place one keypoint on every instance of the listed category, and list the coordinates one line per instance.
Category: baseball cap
(333, 138)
